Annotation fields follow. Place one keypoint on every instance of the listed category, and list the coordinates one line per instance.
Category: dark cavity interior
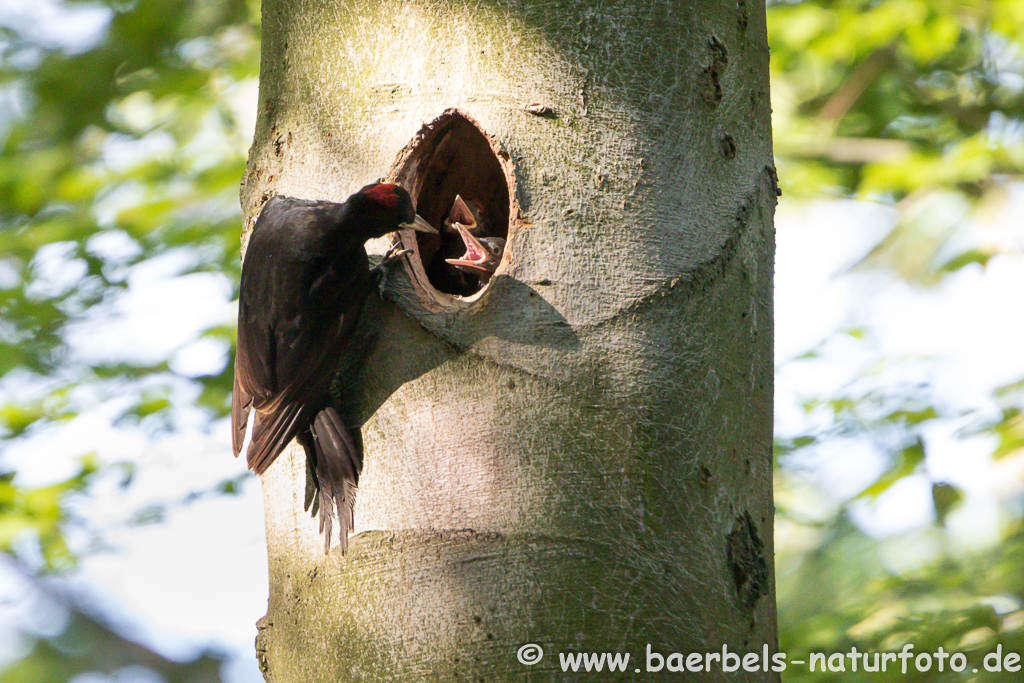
(453, 158)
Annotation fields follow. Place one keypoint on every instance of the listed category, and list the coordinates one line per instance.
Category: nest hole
(452, 157)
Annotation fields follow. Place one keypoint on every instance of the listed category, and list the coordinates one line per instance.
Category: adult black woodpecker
(304, 280)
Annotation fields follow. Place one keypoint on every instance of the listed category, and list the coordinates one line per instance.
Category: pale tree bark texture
(578, 456)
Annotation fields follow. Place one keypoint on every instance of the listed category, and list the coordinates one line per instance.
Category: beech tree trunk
(578, 456)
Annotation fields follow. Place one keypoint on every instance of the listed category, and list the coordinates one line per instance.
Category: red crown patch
(384, 194)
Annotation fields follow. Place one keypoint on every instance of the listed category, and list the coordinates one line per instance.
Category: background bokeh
(131, 543)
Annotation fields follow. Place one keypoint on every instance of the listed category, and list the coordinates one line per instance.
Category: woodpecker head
(382, 208)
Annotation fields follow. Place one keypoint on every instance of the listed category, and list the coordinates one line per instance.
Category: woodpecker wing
(296, 309)
(304, 281)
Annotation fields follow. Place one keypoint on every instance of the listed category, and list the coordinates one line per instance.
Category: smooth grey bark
(579, 457)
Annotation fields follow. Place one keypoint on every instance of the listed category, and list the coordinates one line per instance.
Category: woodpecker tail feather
(334, 462)
(240, 404)
(271, 432)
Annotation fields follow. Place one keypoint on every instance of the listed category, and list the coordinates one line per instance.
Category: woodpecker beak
(419, 224)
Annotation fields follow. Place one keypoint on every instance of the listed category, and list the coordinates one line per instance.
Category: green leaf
(1010, 433)
(945, 497)
(905, 463)
(151, 403)
(929, 40)
(966, 258)
(910, 417)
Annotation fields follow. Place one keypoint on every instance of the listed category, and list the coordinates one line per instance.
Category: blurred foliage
(39, 512)
(918, 105)
(116, 151)
(906, 101)
(133, 140)
(86, 645)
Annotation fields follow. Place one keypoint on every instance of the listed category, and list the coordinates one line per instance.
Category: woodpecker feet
(394, 253)
(381, 270)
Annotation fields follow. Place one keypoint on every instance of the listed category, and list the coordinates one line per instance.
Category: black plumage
(304, 280)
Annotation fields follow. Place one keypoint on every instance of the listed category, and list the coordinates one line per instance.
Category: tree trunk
(579, 455)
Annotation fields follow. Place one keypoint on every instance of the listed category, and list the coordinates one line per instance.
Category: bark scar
(747, 564)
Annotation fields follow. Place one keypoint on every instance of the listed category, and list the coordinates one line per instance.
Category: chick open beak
(479, 257)
(419, 224)
(460, 213)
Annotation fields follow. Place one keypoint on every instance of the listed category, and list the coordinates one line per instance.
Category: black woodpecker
(304, 280)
